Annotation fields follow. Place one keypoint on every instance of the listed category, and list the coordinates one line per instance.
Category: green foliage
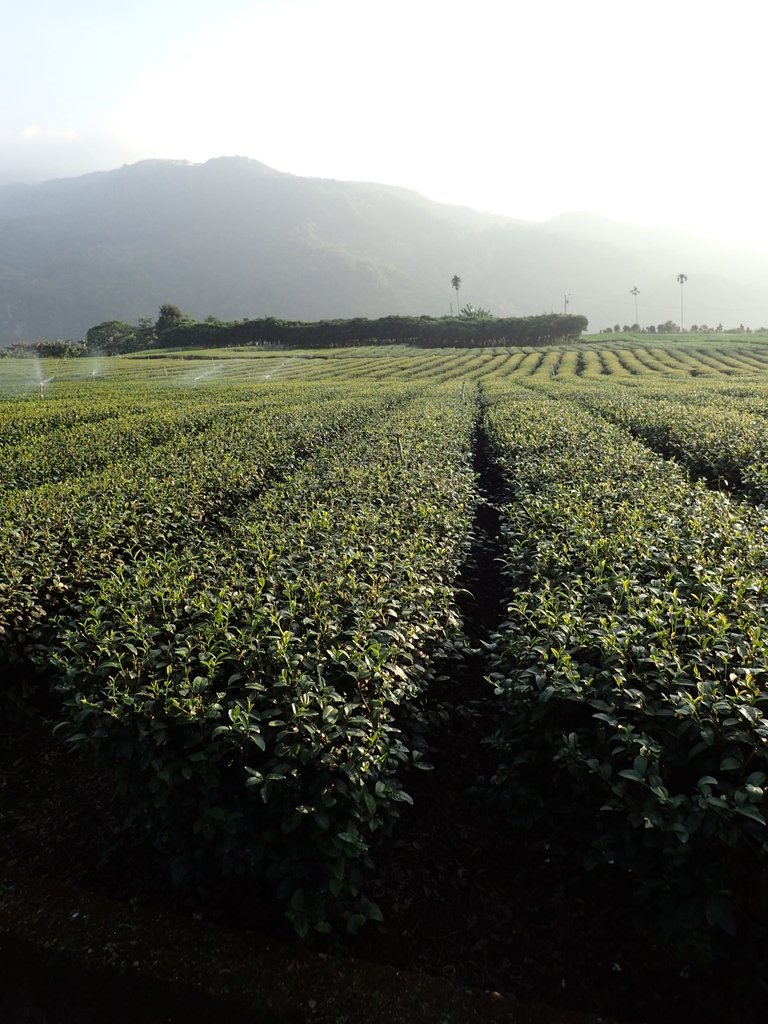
(473, 327)
(45, 349)
(170, 319)
(724, 445)
(475, 312)
(111, 337)
(235, 617)
(237, 568)
(630, 670)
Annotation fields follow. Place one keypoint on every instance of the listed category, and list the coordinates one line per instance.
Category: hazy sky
(651, 112)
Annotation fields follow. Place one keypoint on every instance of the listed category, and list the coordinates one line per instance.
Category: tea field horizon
(598, 356)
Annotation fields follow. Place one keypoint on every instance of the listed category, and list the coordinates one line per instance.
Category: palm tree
(681, 279)
(635, 292)
(456, 284)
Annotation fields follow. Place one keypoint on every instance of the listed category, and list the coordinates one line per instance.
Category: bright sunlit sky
(651, 112)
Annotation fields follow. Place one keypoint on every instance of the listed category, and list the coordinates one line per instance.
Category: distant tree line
(175, 330)
(42, 349)
(670, 327)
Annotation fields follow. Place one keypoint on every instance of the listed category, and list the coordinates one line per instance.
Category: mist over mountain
(233, 238)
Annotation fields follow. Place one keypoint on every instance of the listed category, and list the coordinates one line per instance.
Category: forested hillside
(234, 239)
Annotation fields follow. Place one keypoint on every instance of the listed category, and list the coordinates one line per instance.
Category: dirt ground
(477, 925)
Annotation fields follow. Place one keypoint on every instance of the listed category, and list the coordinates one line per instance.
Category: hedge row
(631, 668)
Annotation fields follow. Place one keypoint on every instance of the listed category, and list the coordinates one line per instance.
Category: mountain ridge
(235, 238)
